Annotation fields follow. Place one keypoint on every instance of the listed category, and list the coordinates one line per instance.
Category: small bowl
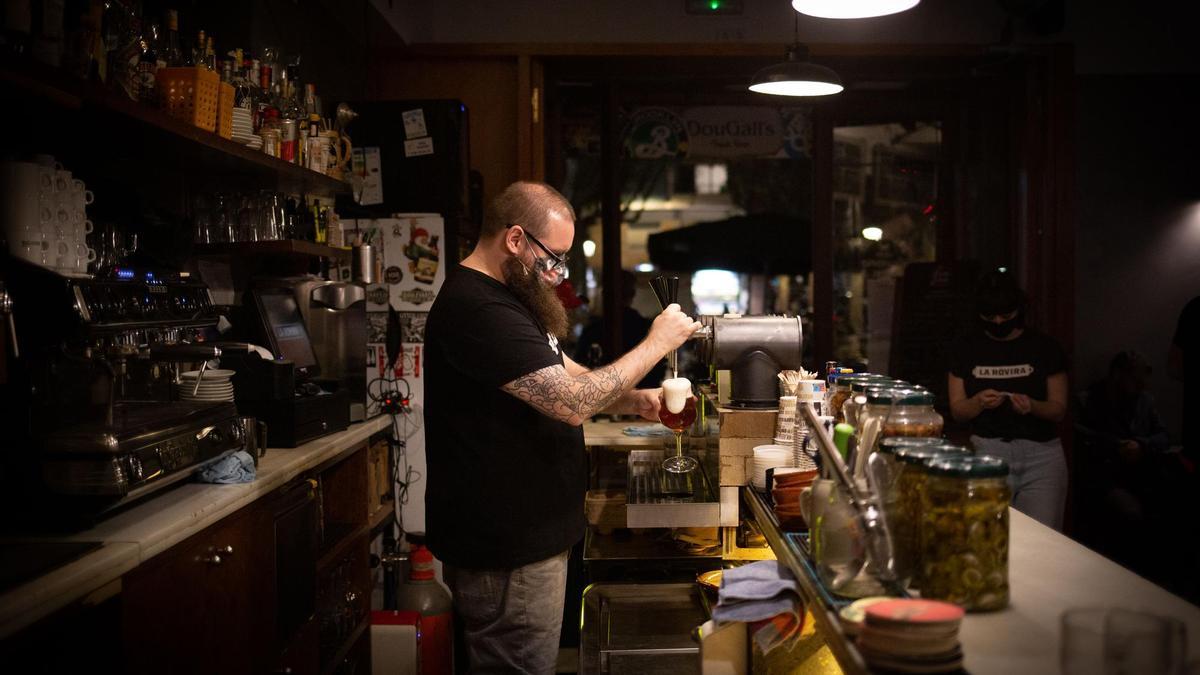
(788, 498)
(794, 478)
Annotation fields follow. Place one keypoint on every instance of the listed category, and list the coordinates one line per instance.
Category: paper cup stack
(912, 636)
(785, 421)
(768, 457)
(216, 385)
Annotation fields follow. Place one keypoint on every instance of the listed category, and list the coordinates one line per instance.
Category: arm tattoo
(556, 394)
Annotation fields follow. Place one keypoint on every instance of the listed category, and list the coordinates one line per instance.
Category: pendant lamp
(852, 9)
(796, 76)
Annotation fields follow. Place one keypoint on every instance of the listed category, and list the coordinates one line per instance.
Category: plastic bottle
(422, 593)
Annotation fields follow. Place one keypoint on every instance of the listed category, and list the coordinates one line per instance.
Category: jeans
(1037, 474)
(511, 617)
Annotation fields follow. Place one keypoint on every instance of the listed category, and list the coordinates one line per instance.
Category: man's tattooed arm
(569, 399)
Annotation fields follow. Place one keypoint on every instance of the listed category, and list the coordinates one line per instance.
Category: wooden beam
(524, 120)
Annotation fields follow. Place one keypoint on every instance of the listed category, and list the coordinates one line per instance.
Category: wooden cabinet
(201, 606)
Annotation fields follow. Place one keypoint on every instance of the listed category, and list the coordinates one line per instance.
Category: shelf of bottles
(110, 66)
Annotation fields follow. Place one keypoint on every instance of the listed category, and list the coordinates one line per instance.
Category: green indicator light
(714, 5)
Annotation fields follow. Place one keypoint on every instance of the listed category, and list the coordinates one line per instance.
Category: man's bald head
(528, 204)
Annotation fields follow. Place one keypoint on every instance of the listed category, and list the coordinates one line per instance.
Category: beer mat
(908, 667)
(909, 612)
(954, 653)
(852, 616)
(924, 648)
(910, 634)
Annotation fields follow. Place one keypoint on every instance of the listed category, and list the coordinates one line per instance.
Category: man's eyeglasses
(553, 263)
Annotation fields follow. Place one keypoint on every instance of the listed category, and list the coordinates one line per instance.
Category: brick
(733, 470)
(737, 423)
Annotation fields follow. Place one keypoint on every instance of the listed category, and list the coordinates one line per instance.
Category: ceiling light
(796, 76)
(872, 233)
(852, 9)
(589, 248)
(645, 267)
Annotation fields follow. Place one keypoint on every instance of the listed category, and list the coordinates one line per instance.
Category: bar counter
(1048, 574)
(133, 536)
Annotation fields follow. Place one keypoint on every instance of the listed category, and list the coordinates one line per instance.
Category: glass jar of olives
(964, 532)
(903, 503)
(911, 414)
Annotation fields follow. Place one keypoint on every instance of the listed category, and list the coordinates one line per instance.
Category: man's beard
(536, 295)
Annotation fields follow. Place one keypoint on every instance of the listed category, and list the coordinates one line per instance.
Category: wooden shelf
(351, 640)
(345, 537)
(114, 115)
(382, 516)
(292, 247)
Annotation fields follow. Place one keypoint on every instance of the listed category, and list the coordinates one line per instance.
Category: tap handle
(659, 286)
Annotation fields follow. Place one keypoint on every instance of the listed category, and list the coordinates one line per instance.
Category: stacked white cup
(45, 215)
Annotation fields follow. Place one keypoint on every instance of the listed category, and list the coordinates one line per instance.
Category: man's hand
(644, 402)
(1021, 404)
(671, 329)
(989, 398)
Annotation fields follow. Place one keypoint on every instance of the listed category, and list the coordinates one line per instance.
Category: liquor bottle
(210, 56)
(17, 36)
(171, 54)
(148, 66)
(196, 55)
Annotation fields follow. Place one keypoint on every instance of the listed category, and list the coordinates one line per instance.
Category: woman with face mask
(1010, 382)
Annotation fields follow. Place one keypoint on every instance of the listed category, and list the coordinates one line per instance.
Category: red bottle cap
(422, 563)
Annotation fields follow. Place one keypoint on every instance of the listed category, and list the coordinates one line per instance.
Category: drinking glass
(677, 422)
(1117, 641)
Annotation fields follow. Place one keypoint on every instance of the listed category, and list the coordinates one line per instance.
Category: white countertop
(1049, 573)
(151, 527)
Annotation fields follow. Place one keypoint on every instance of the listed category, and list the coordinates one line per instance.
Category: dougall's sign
(717, 132)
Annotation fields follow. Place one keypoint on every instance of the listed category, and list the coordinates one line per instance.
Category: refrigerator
(414, 158)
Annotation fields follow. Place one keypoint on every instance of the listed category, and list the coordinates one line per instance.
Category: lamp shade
(796, 77)
(852, 9)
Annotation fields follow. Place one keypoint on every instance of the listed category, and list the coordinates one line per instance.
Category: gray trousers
(511, 618)
(1037, 476)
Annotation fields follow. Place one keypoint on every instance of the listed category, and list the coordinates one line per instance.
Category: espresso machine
(89, 407)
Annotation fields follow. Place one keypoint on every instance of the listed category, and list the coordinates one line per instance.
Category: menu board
(936, 308)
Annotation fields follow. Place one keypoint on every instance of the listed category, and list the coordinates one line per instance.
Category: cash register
(286, 392)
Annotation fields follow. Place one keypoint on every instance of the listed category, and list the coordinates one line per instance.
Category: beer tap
(666, 289)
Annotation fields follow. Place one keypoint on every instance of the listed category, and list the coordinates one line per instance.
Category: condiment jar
(879, 402)
(902, 505)
(964, 532)
(858, 395)
(912, 414)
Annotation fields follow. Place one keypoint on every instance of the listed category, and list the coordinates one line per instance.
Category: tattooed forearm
(569, 399)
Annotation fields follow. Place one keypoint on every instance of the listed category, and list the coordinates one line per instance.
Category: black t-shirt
(1019, 366)
(506, 483)
(1187, 339)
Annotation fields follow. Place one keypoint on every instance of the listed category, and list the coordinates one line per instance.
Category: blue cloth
(647, 431)
(235, 468)
(764, 591)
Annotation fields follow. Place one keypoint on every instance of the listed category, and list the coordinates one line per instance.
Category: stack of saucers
(216, 385)
(243, 126)
(912, 636)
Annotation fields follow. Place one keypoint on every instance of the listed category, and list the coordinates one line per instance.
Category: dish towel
(764, 595)
(235, 468)
(647, 431)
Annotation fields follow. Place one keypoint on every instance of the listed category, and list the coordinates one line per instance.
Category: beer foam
(676, 391)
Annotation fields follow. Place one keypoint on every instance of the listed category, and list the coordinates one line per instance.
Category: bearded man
(503, 409)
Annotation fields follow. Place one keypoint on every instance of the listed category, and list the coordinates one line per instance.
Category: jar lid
(971, 466)
(891, 444)
(900, 396)
(921, 454)
(860, 385)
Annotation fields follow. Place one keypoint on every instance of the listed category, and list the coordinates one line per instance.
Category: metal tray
(641, 628)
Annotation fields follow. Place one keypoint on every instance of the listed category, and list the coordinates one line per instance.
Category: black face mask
(1003, 329)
